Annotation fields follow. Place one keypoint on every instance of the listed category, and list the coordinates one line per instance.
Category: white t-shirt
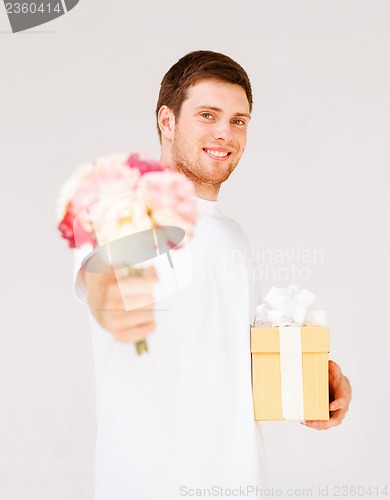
(180, 418)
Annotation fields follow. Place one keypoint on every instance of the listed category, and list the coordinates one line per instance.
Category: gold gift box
(266, 372)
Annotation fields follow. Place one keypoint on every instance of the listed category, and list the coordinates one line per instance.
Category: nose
(222, 131)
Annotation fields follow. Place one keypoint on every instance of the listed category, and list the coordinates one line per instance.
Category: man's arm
(340, 393)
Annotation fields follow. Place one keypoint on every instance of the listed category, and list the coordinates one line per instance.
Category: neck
(206, 192)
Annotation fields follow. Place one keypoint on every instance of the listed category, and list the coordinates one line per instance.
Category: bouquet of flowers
(116, 196)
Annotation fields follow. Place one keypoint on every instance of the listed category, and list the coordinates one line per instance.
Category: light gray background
(314, 177)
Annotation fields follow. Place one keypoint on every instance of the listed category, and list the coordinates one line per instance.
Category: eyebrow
(219, 110)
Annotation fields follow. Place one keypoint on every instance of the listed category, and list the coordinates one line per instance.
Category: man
(180, 418)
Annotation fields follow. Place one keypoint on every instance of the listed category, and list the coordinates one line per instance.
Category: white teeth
(216, 153)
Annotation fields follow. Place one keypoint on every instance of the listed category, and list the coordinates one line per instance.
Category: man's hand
(106, 299)
(340, 393)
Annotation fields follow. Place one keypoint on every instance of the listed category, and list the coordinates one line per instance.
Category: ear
(166, 122)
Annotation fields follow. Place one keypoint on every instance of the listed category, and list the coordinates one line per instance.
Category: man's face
(210, 132)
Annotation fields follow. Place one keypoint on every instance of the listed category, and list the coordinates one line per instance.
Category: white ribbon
(290, 308)
(291, 371)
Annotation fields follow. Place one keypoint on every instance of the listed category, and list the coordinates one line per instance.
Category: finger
(118, 321)
(318, 425)
(334, 372)
(340, 390)
(134, 285)
(133, 298)
(119, 304)
(335, 420)
(107, 299)
(333, 366)
(337, 417)
(138, 302)
(135, 334)
(132, 319)
(338, 404)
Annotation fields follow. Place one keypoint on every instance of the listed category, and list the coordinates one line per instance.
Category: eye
(237, 121)
(205, 115)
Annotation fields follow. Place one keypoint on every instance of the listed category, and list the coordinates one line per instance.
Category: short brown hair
(195, 66)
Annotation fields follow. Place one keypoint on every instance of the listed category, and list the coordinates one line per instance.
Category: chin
(214, 178)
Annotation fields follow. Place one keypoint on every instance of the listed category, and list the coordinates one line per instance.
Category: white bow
(289, 306)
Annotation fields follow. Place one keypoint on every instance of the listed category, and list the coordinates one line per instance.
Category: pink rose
(143, 165)
(102, 183)
(67, 230)
(169, 197)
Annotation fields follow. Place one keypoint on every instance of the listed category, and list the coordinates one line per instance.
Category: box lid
(266, 339)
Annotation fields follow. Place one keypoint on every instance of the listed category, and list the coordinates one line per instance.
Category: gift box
(290, 358)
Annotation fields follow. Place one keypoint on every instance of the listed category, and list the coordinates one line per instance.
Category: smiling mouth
(217, 155)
